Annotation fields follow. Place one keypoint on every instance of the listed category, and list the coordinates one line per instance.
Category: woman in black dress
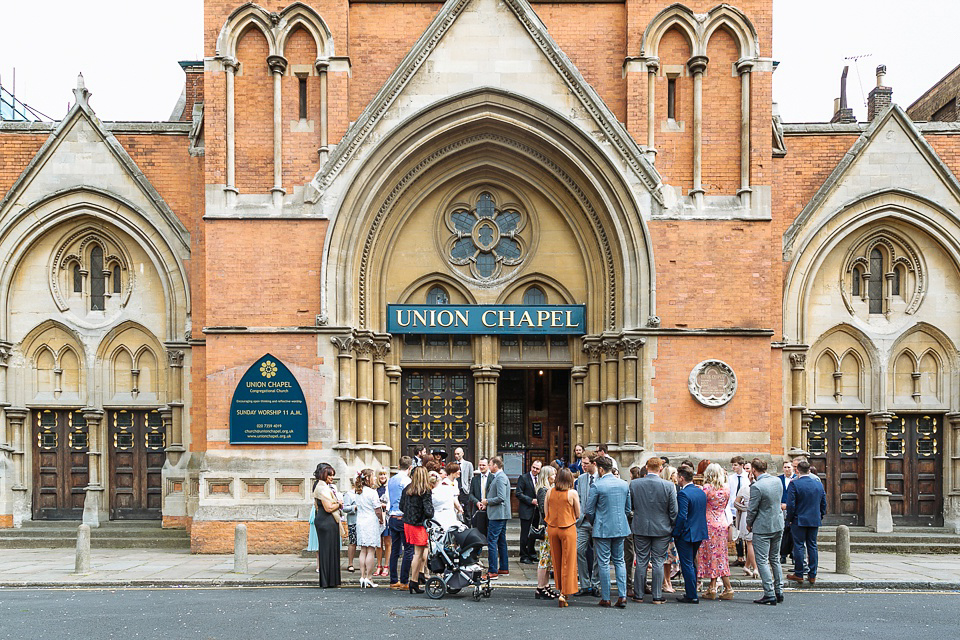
(327, 524)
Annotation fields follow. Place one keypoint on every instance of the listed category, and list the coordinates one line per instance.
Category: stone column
(697, 65)
(16, 417)
(395, 412)
(381, 347)
(493, 417)
(230, 66)
(592, 347)
(93, 501)
(578, 374)
(744, 68)
(278, 66)
(363, 347)
(630, 398)
(324, 150)
(881, 518)
(610, 388)
(798, 362)
(175, 447)
(345, 399)
(6, 437)
(653, 67)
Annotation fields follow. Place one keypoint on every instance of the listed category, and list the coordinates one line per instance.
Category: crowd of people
(579, 522)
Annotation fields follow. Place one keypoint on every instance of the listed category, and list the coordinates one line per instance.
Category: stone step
(40, 542)
(109, 535)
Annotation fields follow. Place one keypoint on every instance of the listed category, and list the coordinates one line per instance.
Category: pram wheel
(435, 588)
(487, 591)
(477, 593)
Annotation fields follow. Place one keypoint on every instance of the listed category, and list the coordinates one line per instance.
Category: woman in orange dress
(713, 560)
(560, 512)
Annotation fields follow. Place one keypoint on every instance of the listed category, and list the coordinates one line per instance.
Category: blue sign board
(485, 319)
(268, 406)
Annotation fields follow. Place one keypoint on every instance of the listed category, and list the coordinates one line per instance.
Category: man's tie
(483, 486)
(739, 479)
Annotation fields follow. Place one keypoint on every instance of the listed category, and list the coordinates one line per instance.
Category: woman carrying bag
(327, 524)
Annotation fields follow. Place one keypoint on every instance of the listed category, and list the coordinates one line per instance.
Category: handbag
(538, 532)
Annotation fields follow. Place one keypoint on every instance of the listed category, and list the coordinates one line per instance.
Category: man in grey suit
(765, 520)
(588, 576)
(608, 507)
(497, 506)
(654, 514)
(466, 470)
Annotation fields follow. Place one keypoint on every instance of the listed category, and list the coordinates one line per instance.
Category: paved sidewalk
(136, 567)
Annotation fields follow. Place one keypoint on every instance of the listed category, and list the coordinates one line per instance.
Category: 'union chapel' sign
(712, 383)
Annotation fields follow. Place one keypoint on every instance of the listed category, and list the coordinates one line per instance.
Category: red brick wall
(721, 117)
(262, 537)
(300, 159)
(18, 149)
(674, 148)
(253, 106)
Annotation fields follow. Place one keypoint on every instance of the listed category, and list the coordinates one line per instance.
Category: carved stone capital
(745, 65)
(593, 348)
(277, 64)
(16, 415)
(798, 361)
(175, 357)
(321, 65)
(231, 65)
(697, 64)
(343, 343)
(92, 415)
(6, 350)
(653, 322)
(632, 346)
(322, 320)
(363, 346)
(611, 347)
(381, 347)
(653, 65)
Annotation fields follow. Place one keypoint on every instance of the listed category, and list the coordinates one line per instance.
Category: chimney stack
(880, 96)
(841, 112)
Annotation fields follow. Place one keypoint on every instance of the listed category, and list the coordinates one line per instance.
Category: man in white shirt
(735, 481)
(466, 469)
(602, 451)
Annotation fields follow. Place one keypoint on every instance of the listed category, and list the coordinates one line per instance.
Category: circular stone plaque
(712, 383)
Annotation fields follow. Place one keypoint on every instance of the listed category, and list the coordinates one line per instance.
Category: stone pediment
(82, 155)
(476, 44)
(892, 157)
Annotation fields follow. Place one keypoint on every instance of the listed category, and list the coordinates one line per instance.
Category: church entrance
(136, 443)
(534, 417)
(836, 443)
(437, 410)
(60, 464)
(914, 468)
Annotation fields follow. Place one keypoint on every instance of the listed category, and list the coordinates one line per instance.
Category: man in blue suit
(607, 507)
(806, 506)
(689, 531)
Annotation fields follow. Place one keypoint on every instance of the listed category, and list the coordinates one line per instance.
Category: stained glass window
(486, 238)
(97, 280)
(534, 295)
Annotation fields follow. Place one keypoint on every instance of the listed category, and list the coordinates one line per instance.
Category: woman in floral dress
(713, 559)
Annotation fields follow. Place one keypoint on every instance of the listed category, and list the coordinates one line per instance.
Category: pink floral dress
(712, 560)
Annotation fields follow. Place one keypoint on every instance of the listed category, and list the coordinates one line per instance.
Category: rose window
(486, 238)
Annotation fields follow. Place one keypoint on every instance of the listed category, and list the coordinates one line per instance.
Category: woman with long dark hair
(417, 507)
(327, 524)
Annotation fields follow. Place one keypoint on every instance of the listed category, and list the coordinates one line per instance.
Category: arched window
(534, 295)
(895, 283)
(438, 295)
(855, 285)
(875, 286)
(116, 278)
(97, 280)
(77, 279)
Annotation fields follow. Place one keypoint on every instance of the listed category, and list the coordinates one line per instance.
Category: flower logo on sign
(268, 369)
(712, 383)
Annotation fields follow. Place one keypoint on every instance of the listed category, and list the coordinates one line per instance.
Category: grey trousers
(650, 550)
(586, 578)
(628, 557)
(766, 547)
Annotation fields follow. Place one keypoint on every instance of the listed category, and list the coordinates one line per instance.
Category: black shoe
(595, 593)
(779, 598)
(686, 600)
(414, 587)
(771, 600)
(527, 561)
(783, 559)
(583, 592)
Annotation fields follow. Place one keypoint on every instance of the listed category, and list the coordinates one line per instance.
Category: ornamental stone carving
(712, 383)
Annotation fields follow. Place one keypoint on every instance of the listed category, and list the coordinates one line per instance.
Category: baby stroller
(454, 560)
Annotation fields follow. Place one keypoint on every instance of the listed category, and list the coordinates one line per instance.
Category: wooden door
(437, 410)
(914, 469)
(836, 443)
(60, 464)
(137, 441)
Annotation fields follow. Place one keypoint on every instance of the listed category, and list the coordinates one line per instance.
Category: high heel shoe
(709, 595)
(415, 587)
(727, 594)
(562, 601)
(544, 593)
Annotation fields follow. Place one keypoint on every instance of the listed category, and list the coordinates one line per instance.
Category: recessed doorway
(534, 414)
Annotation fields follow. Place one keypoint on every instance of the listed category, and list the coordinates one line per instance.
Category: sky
(128, 50)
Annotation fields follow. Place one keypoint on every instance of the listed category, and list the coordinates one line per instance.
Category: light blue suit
(608, 507)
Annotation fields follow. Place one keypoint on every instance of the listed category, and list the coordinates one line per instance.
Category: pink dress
(712, 560)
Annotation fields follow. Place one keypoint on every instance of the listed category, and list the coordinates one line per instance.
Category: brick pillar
(880, 97)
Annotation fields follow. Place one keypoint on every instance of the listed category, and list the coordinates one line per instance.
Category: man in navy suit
(786, 544)
(690, 530)
(806, 506)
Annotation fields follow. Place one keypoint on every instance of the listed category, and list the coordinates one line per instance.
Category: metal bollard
(843, 549)
(240, 549)
(83, 549)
